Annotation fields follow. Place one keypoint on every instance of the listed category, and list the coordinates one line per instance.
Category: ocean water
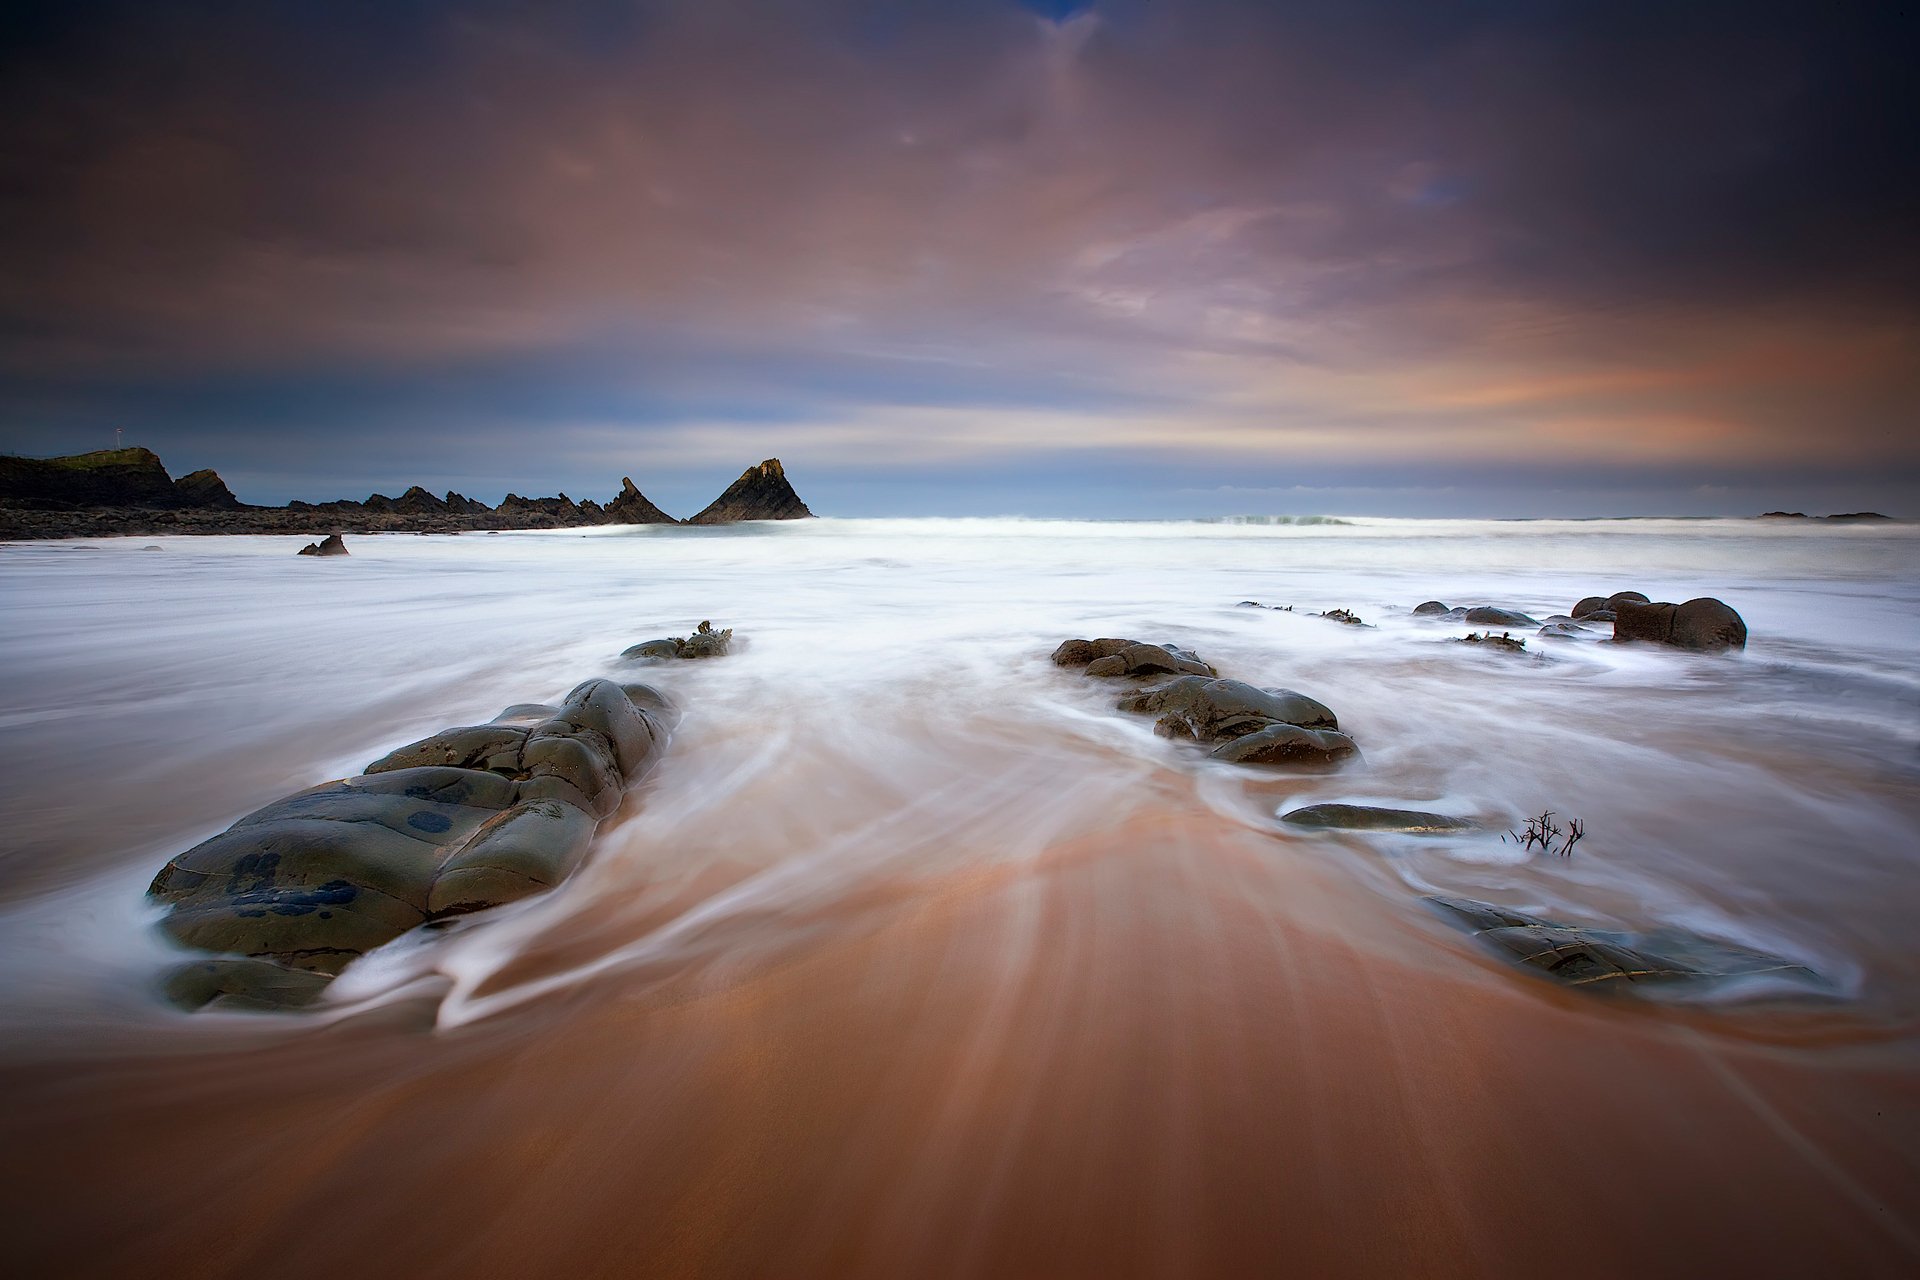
(891, 739)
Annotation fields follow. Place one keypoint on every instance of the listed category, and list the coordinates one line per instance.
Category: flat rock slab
(1602, 959)
(1362, 817)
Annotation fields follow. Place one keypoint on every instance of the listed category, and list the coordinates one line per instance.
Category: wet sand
(915, 958)
(1166, 1047)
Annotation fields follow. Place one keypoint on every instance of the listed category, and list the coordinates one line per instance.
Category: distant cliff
(106, 478)
(761, 493)
(128, 491)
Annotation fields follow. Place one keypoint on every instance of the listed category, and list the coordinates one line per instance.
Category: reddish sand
(1171, 1047)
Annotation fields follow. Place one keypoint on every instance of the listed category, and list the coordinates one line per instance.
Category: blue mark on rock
(426, 820)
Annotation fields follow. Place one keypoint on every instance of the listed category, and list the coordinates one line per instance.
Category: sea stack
(761, 493)
(632, 507)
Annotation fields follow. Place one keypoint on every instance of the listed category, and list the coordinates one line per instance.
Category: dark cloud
(372, 243)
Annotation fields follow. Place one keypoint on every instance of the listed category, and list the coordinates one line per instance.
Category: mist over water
(890, 808)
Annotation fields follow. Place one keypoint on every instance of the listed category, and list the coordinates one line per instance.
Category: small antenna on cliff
(117, 433)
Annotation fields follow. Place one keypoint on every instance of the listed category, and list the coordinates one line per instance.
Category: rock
(205, 488)
(1078, 653)
(1209, 710)
(461, 505)
(242, 982)
(1286, 744)
(1565, 631)
(1249, 724)
(1590, 605)
(1344, 617)
(1361, 817)
(1619, 598)
(465, 819)
(705, 642)
(1429, 608)
(631, 507)
(1783, 515)
(1704, 624)
(761, 493)
(1503, 641)
(331, 545)
(1858, 515)
(1489, 616)
(1148, 660)
(1598, 959)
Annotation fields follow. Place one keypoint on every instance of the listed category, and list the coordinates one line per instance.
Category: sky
(1126, 258)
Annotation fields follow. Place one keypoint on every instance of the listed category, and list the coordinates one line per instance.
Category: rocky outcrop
(1704, 624)
(1599, 959)
(418, 502)
(331, 545)
(467, 819)
(1503, 642)
(632, 507)
(1366, 817)
(205, 489)
(103, 478)
(761, 493)
(705, 642)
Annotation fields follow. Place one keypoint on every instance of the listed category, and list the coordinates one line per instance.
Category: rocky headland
(129, 492)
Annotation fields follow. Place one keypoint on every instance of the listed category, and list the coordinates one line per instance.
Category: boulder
(1346, 617)
(1286, 744)
(1249, 725)
(331, 545)
(1589, 605)
(1209, 710)
(761, 493)
(1599, 959)
(1149, 660)
(1565, 631)
(1429, 608)
(705, 642)
(465, 819)
(1362, 817)
(242, 982)
(1078, 653)
(1489, 616)
(1704, 624)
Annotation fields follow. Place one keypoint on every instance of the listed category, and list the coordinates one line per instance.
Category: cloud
(1338, 235)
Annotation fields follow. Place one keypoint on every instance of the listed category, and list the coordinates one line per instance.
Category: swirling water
(979, 895)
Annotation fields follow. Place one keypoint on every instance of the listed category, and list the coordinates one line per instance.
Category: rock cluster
(128, 491)
(1241, 723)
(1481, 615)
(467, 819)
(1599, 958)
(705, 642)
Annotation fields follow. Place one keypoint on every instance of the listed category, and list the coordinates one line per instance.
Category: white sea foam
(894, 716)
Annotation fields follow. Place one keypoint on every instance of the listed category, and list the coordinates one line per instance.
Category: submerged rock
(1598, 959)
(705, 642)
(1111, 657)
(1286, 744)
(1428, 608)
(1503, 642)
(331, 545)
(466, 819)
(1344, 616)
(1487, 615)
(1250, 725)
(1703, 624)
(1363, 817)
